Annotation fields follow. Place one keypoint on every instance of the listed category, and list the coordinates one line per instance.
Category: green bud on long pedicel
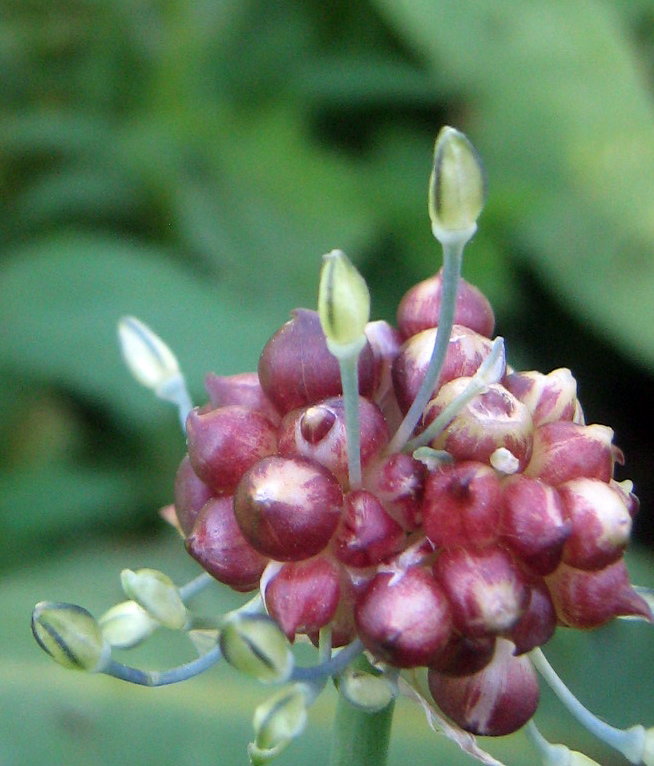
(71, 636)
(127, 625)
(277, 722)
(457, 187)
(255, 644)
(157, 594)
(367, 691)
(343, 302)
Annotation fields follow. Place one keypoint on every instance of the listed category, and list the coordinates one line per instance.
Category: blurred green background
(188, 162)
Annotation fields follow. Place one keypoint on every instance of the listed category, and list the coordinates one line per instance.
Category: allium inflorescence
(467, 514)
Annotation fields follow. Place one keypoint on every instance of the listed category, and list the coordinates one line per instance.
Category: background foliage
(188, 162)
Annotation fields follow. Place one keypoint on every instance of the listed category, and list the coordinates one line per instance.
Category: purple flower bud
(243, 389)
(191, 493)
(398, 481)
(547, 397)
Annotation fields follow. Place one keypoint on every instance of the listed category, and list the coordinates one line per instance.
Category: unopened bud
(157, 594)
(343, 303)
(148, 358)
(254, 644)
(366, 691)
(648, 749)
(127, 625)
(457, 187)
(71, 636)
(277, 722)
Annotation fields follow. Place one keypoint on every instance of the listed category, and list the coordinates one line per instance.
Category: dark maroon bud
(385, 342)
(342, 626)
(601, 523)
(420, 307)
(404, 618)
(584, 599)
(486, 590)
(288, 508)
(547, 397)
(462, 505)
(243, 389)
(331, 449)
(533, 524)
(493, 420)
(466, 351)
(367, 534)
(565, 450)
(191, 493)
(302, 596)
(538, 623)
(498, 700)
(224, 443)
(218, 545)
(296, 367)
(464, 656)
(398, 480)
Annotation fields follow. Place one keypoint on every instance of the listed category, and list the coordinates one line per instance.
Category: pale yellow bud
(148, 358)
(71, 636)
(457, 187)
(126, 625)
(255, 645)
(277, 722)
(157, 594)
(343, 303)
(367, 691)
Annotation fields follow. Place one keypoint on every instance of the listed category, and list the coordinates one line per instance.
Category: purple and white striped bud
(191, 494)
(538, 622)
(563, 451)
(319, 432)
(464, 656)
(421, 305)
(549, 397)
(493, 420)
(398, 480)
(288, 508)
(601, 523)
(498, 700)
(224, 443)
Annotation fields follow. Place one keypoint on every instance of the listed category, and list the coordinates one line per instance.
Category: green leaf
(563, 118)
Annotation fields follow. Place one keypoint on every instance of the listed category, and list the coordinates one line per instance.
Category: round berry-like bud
(218, 545)
(533, 523)
(498, 700)
(244, 389)
(367, 534)
(319, 432)
(398, 480)
(601, 523)
(191, 493)
(538, 623)
(464, 656)
(565, 450)
(486, 591)
(493, 420)
(404, 618)
(302, 596)
(288, 508)
(224, 443)
(420, 307)
(547, 397)
(342, 627)
(462, 505)
(465, 353)
(584, 599)
(296, 368)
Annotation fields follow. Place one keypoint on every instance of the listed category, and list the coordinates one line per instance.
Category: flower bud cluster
(462, 563)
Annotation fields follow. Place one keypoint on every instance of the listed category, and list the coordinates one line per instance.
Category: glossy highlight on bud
(156, 593)
(343, 302)
(254, 644)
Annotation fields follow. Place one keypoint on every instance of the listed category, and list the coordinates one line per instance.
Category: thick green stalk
(360, 738)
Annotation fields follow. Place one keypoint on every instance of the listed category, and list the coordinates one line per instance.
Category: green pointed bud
(71, 636)
(367, 691)
(277, 722)
(457, 188)
(156, 593)
(148, 358)
(343, 304)
(255, 644)
(127, 625)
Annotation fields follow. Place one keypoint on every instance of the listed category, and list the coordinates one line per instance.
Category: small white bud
(148, 358)
(367, 691)
(156, 593)
(127, 625)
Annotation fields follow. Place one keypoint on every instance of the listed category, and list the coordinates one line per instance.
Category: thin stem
(360, 738)
(550, 755)
(331, 667)
(165, 677)
(194, 586)
(350, 382)
(630, 742)
(452, 258)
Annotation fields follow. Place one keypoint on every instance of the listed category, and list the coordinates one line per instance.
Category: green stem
(360, 738)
